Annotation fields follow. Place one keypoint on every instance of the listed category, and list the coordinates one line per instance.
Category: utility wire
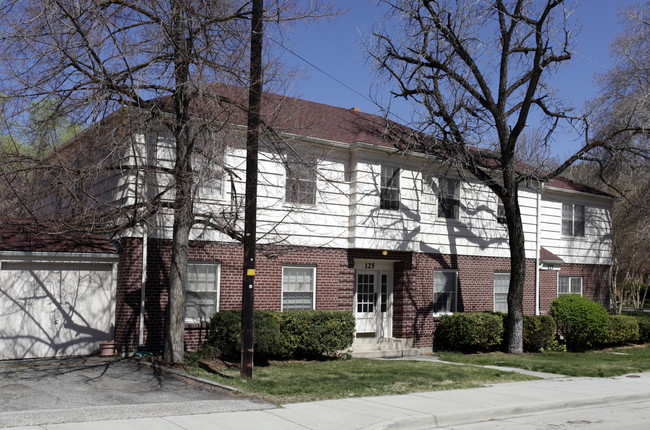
(320, 70)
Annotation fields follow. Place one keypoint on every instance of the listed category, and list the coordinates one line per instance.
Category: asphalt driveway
(48, 391)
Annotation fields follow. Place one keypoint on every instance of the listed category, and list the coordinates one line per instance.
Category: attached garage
(55, 303)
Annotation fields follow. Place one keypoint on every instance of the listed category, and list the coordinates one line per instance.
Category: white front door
(373, 302)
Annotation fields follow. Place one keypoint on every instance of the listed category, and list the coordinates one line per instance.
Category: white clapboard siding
(596, 245)
(346, 212)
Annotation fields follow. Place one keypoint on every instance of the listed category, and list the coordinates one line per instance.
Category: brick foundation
(412, 282)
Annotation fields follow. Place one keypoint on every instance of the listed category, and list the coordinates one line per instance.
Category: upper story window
(569, 285)
(301, 180)
(389, 195)
(501, 212)
(449, 198)
(573, 219)
(202, 293)
(444, 291)
(208, 177)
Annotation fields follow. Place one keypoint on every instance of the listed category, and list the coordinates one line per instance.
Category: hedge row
(296, 334)
(578, 322)
(484, 331)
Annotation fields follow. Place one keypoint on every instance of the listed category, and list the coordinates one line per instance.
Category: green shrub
(644, 330)
(621, 329)
(539, 332)
(283, 334)
(582, 322)
(311, 334)
(225, 334)
(470, 331)
(643, 319)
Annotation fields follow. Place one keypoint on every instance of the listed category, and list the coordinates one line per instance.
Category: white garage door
(55, 309)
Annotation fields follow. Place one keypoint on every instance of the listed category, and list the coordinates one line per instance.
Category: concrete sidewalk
(410, 411)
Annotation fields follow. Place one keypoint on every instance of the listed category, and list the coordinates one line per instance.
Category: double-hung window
(573, 219)
(301, 179)
(202, 293)
(501, 211)
(444, 291)
(208, 177)
(298, 287)
(449, 198)
(389, 193)
(569, 285)
(501, 284)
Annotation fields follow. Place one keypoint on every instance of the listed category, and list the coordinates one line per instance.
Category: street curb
(427, 421)
(193, 378)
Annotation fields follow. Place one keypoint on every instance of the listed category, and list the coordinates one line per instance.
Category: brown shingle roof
(546, 255)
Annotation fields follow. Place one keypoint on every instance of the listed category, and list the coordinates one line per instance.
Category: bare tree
(153, 62)
(476, 74)
(625, 104)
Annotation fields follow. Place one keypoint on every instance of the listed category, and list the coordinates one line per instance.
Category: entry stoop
(383, 347)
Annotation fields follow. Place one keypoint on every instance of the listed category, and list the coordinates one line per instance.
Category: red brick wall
(127, 303)
(413, 285)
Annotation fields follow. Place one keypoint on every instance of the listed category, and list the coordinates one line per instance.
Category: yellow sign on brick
(250, 272)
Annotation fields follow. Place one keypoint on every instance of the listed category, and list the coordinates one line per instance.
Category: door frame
(377, 268)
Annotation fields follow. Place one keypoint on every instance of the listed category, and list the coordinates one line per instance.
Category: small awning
(548, 260)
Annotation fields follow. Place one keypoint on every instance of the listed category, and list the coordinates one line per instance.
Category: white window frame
(390, 184)
(501, 211)
(444, 196)
(301, 173)
(313, 285)
(499, 285)
(190, 287)
(570, 279)
(454, 302)
(570, 222)
(208, 177)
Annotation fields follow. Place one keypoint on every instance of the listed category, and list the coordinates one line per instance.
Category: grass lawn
(298, 381)
(609, 362)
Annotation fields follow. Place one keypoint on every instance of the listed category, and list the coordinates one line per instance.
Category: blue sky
(335, 47)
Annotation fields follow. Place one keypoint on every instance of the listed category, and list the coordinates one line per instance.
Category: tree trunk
(175, 330)
(173, 351)
(514, 331)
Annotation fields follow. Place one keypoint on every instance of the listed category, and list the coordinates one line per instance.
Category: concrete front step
(383, 347)
(395, 353)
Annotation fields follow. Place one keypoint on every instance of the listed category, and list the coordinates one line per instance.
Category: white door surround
(373, 298)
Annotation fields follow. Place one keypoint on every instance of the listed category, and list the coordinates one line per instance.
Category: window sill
(194, 324)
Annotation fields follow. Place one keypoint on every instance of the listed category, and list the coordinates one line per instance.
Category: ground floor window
(202, 293)
(298, 287)
(569, 285)
(444, 291)
(501, 284)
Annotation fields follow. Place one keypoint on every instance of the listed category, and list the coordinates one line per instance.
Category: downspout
(145, 237)
(537, 247)
(143, 284)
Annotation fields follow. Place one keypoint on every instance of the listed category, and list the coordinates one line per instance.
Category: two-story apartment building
(346, 222)
(349, 223)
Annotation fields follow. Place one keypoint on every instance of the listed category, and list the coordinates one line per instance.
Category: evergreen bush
(225, 334)
(539, 332)
(581, 321)
(621, 329)
(301, 334)
(470, 331)
(313, 334)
